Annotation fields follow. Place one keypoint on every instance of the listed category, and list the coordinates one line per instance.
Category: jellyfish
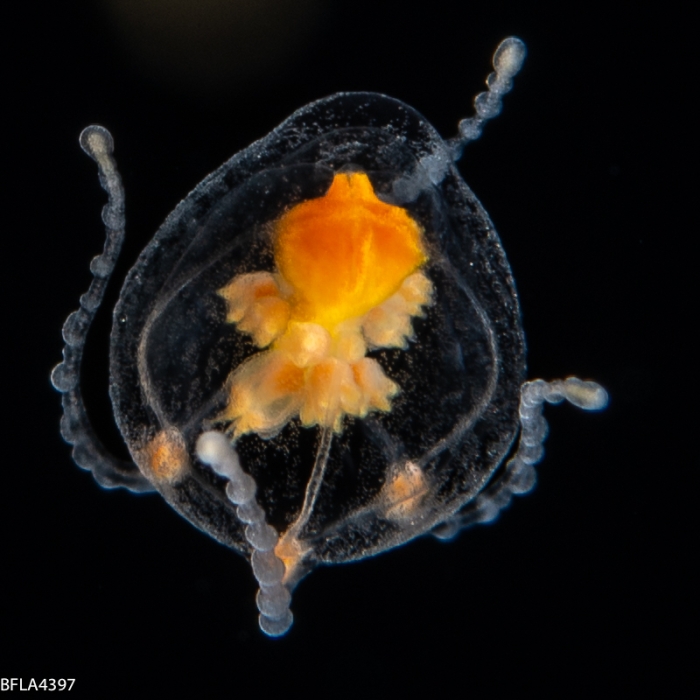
(320, 354)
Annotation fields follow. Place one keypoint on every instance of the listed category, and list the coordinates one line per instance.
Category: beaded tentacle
(76, 428)
(273, 598)
(519, 476)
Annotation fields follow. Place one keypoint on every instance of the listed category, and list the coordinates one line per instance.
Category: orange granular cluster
(347, 279)
(346, 252)
(165, 457)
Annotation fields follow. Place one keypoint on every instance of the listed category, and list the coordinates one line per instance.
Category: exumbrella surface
(320, 354)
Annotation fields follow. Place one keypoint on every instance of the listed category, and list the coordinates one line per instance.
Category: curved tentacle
(76, 429)
(519, 476)
(507, 62)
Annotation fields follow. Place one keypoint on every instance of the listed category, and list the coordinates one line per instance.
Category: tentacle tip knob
(587, 395)
(275, 627)
(509, 57)
(96, 141)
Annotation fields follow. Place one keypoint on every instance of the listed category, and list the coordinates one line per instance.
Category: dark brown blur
(205, 45)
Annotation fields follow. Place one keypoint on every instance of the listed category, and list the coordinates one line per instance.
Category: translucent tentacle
(434, 165)
(519, 476)
(273, 598)
(507, 61)
(76, 429)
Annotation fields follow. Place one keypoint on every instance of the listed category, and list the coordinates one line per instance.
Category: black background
(582, 585)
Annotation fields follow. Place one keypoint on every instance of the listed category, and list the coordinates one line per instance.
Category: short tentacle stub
(320, 355)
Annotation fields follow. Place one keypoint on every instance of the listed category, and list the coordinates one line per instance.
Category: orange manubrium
(346, 252)
(347, 279)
